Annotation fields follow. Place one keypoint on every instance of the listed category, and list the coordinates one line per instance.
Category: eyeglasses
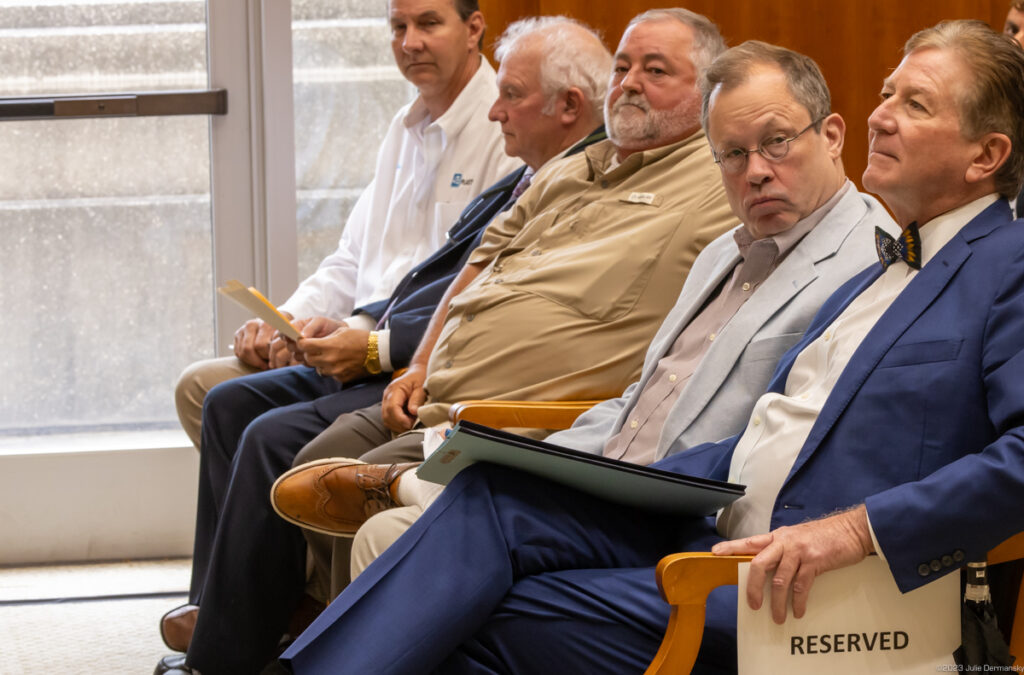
(773, 149)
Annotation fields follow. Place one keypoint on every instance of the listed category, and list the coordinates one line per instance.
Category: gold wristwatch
(372, 360)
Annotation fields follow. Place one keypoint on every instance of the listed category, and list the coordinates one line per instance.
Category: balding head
(551, 83)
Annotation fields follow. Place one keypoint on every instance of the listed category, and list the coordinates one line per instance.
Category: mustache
(633, 99)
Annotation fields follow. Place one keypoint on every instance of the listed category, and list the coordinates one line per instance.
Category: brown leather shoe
(176, 627)
(335, 496)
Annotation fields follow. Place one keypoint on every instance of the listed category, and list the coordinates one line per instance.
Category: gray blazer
(735, 371)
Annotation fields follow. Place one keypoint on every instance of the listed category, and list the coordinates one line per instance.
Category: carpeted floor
(95, 618)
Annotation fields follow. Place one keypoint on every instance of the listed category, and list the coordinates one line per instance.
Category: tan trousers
(194, 383)
(362, 435)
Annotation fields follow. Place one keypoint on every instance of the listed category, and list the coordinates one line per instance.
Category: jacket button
(935, 565)
(958, 555)
(924, 570)
(947, 561)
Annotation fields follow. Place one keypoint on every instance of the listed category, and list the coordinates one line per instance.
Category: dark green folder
(610, 479)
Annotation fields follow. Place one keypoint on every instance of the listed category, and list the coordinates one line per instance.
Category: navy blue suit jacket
(414, 299)
(925, 424)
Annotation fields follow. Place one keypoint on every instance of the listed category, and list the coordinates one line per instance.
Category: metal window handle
(148, 104)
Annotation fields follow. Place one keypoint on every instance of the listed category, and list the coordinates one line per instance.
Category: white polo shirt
(427, 172)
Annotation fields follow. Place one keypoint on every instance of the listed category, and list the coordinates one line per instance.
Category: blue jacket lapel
(904, 311)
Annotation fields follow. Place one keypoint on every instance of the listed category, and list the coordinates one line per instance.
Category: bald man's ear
(570, 106)
(993, 151)
(834, 129)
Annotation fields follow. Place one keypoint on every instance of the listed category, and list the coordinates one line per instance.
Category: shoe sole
(348, 461)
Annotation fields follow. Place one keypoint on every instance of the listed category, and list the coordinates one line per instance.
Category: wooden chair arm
(525, 414)
(685, 579)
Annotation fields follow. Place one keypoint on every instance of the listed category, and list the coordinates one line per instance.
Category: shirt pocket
(600, 263)
(446, 214)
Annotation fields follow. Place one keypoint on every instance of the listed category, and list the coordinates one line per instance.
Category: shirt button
(498, 280)
(746, 285)
(672, 378)
(536, 251)
(470, 317)
(711, 338)
(828, 336)
(634, 424)
(604, 183)
(448, 364)
(757, 421)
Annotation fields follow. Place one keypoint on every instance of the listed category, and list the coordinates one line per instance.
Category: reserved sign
(856, 620)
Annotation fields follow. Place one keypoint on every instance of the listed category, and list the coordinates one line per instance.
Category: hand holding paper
(794, 556)
(253, 300)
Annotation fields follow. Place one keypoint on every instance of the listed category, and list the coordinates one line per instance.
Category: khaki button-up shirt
(580, 274)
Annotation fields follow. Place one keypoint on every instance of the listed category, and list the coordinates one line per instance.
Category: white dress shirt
(427, 172)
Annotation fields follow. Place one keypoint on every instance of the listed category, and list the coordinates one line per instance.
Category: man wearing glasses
(750, 295)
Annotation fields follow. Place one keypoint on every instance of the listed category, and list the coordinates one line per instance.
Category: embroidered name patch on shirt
(641, 198)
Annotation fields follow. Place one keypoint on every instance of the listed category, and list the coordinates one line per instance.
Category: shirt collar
(602, 157)
(590, 138)
(937, 232)
(787, 241)
(460, 112)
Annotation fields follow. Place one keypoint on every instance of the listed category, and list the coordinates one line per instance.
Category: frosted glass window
(106, 276)
(347, 89)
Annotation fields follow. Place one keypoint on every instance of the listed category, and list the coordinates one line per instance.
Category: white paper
(857, 621)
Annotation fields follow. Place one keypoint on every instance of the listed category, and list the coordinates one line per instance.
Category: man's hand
(315, 327)
(340, 354)
(280, 354)
(793, 556)
(403, 398)
(252, 343)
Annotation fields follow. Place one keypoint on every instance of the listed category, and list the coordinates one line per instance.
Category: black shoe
(173, 665)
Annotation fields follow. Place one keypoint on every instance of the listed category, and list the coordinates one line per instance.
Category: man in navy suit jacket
(253, 426)
(895, 427)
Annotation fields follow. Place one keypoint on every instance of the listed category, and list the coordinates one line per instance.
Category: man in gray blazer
(782, 177)
(751, 292)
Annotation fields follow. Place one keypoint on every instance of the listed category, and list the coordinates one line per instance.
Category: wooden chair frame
(685, 579)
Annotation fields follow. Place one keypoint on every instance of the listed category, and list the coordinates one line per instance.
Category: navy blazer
(414, 299)
(925, 424)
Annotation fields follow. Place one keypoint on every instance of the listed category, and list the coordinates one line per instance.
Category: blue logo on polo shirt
(458, 180)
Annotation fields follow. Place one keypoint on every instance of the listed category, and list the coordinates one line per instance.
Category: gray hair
(803, 77)
(572, 55)
(707, 40)
(993, 97)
